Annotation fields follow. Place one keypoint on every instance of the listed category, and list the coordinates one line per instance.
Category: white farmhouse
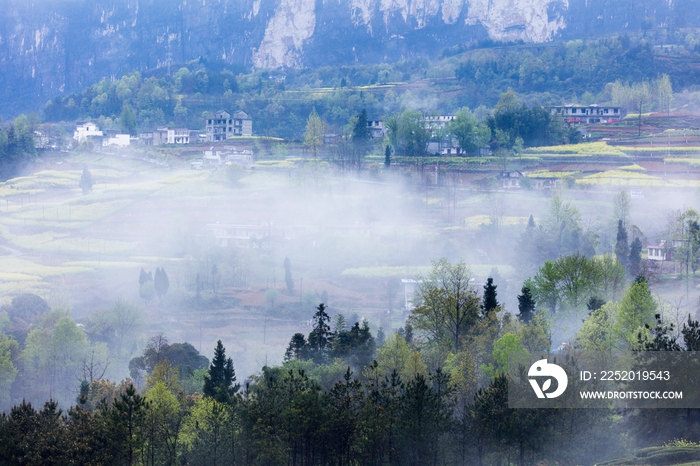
(86, 130)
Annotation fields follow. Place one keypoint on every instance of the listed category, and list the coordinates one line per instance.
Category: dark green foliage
(86, 182)
(355, 345)
(161, 282)
(320, 337)
(288, 275)
(219, 383)
(489, 301)
(143, 277)
(182, 356)
(387, 156)
(360, 132)
(297, 348)
(127, 120)
(16, 146)
(634, 262)
(594, 304)
(24, 311)
(526, 305)
(621, 247)
(691, 335)
(125, 425)
(660, 337)
(534, 125)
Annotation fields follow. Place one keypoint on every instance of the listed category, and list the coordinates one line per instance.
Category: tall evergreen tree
(387, 156)
(360, 132)
(219, 382)
(86, 182)
(125, 425)
(143, 277)
(621, 246)
(489, 301)
(691, 335)
(297, 348)
(526, 305)
(320, 337)
(634, 263)
(288, 275)
(161, 282)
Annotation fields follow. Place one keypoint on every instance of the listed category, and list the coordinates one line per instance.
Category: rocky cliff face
(51, 46)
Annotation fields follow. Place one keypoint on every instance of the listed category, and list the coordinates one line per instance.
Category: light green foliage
(506, 350)
(125, 320)
(569, 281)
(535, 335)
(313, 136)
(408, 133)
(162, 420)
(8, 351)
(622, 205)
(53, 354)
(562, 214)
(206, 430)
(447, 305)
(637, 308)
(462, 370)
(470, 134)
(396, 355)
(597, 333)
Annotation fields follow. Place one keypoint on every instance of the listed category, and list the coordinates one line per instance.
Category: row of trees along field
(434, 392)
(280, 103)
(510, 127)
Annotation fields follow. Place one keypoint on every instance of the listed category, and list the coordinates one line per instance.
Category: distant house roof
(223, 114)
(240, 115)
(512, 174)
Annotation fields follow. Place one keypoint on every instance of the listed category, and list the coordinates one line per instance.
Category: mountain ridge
(47, 48)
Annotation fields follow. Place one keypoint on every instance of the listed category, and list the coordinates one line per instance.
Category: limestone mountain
(53, 46)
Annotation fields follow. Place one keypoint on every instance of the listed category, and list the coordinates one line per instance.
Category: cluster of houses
(221, 127)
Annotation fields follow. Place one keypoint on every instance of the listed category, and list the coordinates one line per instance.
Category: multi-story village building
(587, 114)
(224, 125)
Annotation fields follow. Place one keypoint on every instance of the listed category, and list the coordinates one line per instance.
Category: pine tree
(125, 423)
(320, 336)
(160, 282)
(86, 182)
(526, 305)
(143, 277)
(621, 246)
(297, 348)
(387, 156)
(288, 275)
(489, 301)
(691, 335)
(360, 132)
(530, 225)
(634, 264)
(219, 382)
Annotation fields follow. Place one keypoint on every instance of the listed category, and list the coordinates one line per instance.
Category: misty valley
(369, 233)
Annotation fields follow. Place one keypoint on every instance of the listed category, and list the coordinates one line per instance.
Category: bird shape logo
(541, 369)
